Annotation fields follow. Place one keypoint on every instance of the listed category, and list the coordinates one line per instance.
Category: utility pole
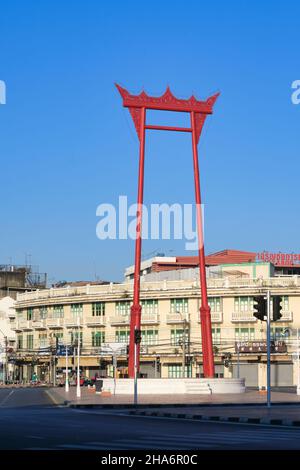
(67, 370)
(184, 348)
(298, 363)
(268, 351)
(5, 360)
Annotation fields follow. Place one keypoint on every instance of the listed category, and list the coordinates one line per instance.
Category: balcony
(16, 326)
(39, 325)
(120, 320)
(286, 316)
(243, 317)
(96, 321)
(149, 318)
(216, 317)
(55, 322)
(177, 317)
(25, 325)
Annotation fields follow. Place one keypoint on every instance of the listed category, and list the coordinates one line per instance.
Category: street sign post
(114, 350)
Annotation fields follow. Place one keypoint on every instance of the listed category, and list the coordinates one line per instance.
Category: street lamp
(78, 390)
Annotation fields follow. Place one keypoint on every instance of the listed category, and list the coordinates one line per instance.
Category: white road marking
(201, 421)
(6, 398)
(200, 441)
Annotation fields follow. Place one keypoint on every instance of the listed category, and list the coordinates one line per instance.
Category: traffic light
(127, 350)
(227, 359)
(137, 336)
(260, 307)
(277, 307)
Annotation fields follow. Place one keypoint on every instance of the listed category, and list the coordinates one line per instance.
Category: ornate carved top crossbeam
(167, 102)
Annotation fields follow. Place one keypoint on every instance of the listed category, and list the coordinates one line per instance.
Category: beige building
(100, 314)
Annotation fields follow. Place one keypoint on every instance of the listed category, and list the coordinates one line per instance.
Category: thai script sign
(260, 347)
(282, 259)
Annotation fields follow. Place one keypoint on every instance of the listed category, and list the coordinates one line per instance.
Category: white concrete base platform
(174, 386)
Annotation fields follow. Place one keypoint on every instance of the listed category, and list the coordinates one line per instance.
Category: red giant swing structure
(198, 110)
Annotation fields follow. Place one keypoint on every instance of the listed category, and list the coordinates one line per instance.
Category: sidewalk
(89, 398)
(247, 408)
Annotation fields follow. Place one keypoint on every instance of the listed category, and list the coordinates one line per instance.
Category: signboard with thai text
(260, 347)
(282, 259)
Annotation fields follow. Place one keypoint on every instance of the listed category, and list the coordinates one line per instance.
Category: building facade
(7, 337)
(95, 315)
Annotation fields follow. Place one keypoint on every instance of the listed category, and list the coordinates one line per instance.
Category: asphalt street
(29, 420)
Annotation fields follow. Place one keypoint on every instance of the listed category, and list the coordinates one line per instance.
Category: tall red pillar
(205, 318)
(136, 309)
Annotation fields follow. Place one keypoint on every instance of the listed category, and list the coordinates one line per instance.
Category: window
(74, 338)
(122, 336)
(179, 305)
(243, 304)
(43, 313)
(244, 334)
(149, 306)
(175, 371)
(149, 337)
(58, 334)
(43, 340)
(29, 342)
(216, 335)
(177, 336)
(98, 309)
(98, 337)
(76, 310)
(215, 304)
(123, 308)
(58, 311)
(20, 341)
(29, 313)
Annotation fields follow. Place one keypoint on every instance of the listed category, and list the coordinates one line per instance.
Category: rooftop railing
(125, 290)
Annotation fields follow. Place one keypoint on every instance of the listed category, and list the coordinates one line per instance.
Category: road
(28, 420)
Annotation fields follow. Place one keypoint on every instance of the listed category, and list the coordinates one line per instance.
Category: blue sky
(67, 145)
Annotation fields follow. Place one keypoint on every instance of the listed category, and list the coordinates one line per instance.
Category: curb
(72, 404)
(229, 419)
